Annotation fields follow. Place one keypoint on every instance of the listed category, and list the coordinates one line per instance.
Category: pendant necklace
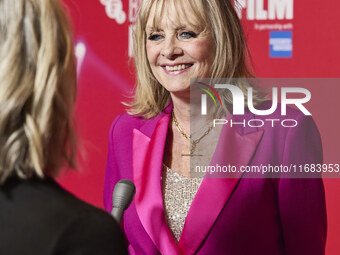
(193, 142)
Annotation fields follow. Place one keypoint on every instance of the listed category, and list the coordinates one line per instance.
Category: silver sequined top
(178, 194)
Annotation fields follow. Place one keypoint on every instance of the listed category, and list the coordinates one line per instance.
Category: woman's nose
(171, 49)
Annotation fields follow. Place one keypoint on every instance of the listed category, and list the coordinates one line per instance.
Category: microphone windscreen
(123, 194)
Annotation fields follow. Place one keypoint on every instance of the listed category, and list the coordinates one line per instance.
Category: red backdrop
(308, 48)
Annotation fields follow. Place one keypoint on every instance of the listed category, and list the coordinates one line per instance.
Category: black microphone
(122, 196)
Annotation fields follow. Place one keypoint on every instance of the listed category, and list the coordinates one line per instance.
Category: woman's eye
(188, 35)
(155, 37)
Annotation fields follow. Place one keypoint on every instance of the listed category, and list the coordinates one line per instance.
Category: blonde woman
(173, 213)
(37, 94)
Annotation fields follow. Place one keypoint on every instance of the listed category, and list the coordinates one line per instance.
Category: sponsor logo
(280, 44)
(114, 10)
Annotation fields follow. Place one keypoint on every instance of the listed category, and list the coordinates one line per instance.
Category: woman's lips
(176, 69)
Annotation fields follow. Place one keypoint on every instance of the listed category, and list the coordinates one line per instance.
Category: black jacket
(39, 217)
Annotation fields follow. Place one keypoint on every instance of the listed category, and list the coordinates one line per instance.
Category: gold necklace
(193, 143)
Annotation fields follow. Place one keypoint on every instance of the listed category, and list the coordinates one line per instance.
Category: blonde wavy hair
(232, 56)
(37, 89)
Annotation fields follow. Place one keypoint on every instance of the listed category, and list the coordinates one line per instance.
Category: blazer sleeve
(302, 204)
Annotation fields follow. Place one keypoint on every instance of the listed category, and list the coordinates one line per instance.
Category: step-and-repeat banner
(287, 39)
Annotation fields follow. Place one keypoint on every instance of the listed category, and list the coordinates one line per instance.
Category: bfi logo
(276, 9)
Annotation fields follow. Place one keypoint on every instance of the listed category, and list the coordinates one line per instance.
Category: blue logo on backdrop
(280, 44)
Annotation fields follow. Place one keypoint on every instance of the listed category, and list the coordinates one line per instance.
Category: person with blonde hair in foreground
(37, 94)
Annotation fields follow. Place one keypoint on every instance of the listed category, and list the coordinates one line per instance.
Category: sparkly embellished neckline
(178, 194)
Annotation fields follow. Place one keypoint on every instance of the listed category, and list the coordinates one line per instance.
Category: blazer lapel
(147, 166)
(234, 149)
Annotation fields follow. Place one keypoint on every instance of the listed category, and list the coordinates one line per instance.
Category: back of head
(37, 89)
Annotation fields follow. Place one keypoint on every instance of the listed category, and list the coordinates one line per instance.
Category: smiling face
(178, 49)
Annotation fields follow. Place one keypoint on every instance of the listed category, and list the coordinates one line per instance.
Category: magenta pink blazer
(228, 215)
